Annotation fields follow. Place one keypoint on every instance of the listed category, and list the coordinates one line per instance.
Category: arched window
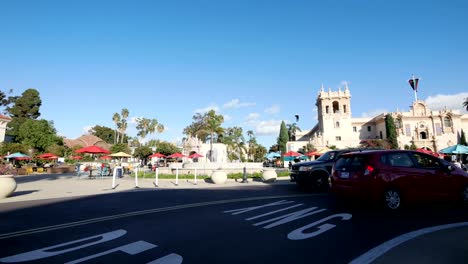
(344, 109)
(336, 107)
(447, 121)
(327, 109)
(337, 124)
(422, 135)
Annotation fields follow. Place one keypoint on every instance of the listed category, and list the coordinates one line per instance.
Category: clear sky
(255, 62)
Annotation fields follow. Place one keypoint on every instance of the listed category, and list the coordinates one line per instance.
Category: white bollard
(113, 178)
(156, 182)
(177, 177)
(136, 178)
(195, 176)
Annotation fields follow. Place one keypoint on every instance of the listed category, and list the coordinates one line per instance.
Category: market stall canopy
(272, 155)
(45, 156)
(292, 154)
(195, 155)
(157, 155)
(121, 155)
(455, 149)
(177, 155)
(93, 150)
(18, 156)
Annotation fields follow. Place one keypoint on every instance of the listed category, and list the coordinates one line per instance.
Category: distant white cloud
(449, 101)
(207, 109)
(227, 118)
(236, 103)
(373, 113)
(252, 117)
(273, 109)
(268, 128)
(86, 129)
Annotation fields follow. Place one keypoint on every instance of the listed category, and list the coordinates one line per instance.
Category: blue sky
(255, 62)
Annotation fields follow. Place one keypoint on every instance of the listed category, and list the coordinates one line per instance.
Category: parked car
(316, 173)
(397, 177)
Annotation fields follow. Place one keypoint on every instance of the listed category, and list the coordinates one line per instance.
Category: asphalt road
(258, 224)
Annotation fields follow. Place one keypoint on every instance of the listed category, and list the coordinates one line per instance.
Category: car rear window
(351, 162)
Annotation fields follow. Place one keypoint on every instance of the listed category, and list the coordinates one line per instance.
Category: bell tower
(334, 114)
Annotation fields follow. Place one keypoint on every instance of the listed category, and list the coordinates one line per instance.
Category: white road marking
(143, 212)
(380, 250)
(169, 259)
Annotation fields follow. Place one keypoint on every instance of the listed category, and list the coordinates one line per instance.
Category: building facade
(420, 126)
(4, 120)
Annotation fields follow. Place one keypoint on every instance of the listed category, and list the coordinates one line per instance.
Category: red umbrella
(177, 155)
(52, 157)
(106, 157)
(157, 155)
(292, 154)
(93, 150)
(76, 157)
(45, 156)
(195, 155)
(423, 150)
(313, 153)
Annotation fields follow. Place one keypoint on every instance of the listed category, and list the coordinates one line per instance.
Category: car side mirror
(450, 168)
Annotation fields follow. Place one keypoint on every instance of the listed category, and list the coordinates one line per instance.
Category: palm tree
(123, 123)
(292, 129)
(465, 104)
(252, 144)
(235, 141)
(116, 119)
(147, 126)
(212, 125)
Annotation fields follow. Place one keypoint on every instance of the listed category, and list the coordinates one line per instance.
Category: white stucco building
(420, 125)
(4, 120)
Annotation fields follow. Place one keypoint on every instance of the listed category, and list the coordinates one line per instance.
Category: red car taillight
(369, 170)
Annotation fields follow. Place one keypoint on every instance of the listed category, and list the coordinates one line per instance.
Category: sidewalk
(46, 186)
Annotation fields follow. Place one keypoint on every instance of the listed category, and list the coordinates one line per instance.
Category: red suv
(396, 177)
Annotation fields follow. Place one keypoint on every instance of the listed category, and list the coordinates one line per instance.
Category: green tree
(260, 152)
(5, 100)
(235, 141)
(252, 143)
(463, 138)
(120, 147)
(283, 137)
(391, 132)
(123, 124)
(308, 147)
(167, 148)
(10, 148)
(197, 128)
(146, 126)
(212, 124)
(38, 134)
(292, 130)
(206, 127)
(24, 107)
(59, 150)
(116, 119)
(105, 133)
(142, 152)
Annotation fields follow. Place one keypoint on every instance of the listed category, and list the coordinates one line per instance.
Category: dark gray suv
(316, 173)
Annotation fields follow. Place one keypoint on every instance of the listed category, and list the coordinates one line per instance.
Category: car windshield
(330, 155)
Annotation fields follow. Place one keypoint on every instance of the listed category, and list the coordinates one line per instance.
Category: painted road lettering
(131, 249)
(298, 234)
(49, 251)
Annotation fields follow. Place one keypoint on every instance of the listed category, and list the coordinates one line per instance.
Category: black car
(316, 173)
